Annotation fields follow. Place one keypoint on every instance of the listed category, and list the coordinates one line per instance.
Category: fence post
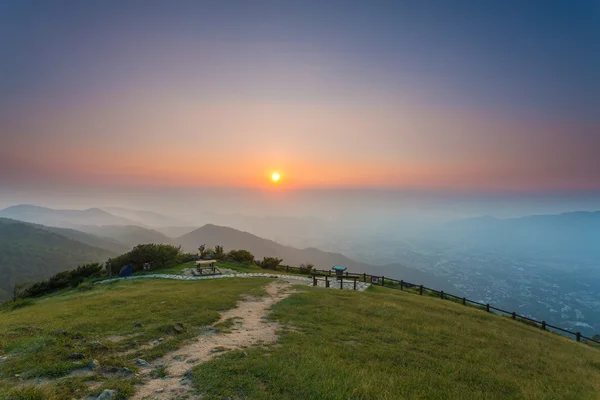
(326, 281)
(355, 283)
(364, 277)
(314, 280)
(578, 336)
(442, 294)
(514, 315)
(544, 325)
(464, 301)
(487, 307)
(287, 268)
(382, 280)
(421, 290)
(341, 282)
(401, 285)
(346, 273)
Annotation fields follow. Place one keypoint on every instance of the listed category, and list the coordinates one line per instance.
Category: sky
(462, 96)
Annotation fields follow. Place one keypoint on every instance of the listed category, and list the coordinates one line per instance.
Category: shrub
(270, 263)
(219, 254)
(187, 257)
(159, 255)
(306, 268)
(241, 256)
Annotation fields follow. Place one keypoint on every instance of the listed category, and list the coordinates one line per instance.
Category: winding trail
(250, 328)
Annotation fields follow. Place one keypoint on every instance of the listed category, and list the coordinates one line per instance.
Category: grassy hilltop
(378, 344)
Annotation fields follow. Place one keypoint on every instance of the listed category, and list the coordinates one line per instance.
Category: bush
(219, 254)
(159, 255)
(241, 256)
(187, 257)
(306, 268)
(270, 263)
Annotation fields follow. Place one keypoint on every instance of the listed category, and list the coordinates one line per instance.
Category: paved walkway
(301, 279)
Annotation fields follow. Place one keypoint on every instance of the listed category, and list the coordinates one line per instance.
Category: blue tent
(126, 271)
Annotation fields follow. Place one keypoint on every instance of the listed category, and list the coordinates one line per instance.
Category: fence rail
(402, 285)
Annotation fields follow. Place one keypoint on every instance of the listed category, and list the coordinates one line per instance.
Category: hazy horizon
(191, 205)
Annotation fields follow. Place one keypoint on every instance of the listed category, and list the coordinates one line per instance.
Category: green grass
(124, 317)
(386, 344)
(241, 267)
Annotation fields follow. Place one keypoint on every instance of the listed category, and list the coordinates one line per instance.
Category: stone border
(240, 275)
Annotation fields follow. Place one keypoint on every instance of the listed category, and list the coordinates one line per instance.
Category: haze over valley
(542, 266)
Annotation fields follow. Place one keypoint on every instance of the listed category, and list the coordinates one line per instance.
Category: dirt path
(250, 328)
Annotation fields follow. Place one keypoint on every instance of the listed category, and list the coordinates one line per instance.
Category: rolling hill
(29, 252)
(128, 235)
(231, 239)
(105, 243)
(63, 218)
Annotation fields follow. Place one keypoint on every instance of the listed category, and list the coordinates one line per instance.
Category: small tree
(201, 249)
(270, 262)
(219, 254)
(306, 268)
(596, 337)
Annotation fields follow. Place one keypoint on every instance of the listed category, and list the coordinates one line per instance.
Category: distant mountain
(231, 239)
(176, 231)
(148, 218)
(291, 230)
(130, 235)
(28, 252)
(63, 218)
(568, 235)
(105, 243)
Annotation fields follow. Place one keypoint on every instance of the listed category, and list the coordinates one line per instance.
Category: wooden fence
(422, 290)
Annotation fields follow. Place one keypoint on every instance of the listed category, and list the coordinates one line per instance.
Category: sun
(275, 176)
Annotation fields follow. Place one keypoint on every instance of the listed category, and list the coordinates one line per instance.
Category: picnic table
(206, 265)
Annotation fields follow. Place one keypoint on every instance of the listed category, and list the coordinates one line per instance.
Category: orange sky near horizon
(492, 96)
(143, 141)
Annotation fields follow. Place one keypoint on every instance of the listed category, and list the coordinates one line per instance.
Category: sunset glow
(275, 177)
(352, 107)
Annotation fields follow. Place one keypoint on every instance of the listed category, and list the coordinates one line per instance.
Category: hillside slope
(387, 344)
(28, 252)
(377, 344)
(105, 243)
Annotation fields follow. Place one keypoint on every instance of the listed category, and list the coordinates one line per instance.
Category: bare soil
(249, 329)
